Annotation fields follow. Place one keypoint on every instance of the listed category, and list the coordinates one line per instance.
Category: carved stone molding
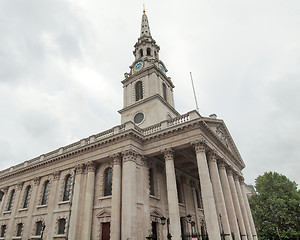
(56, 175)
(80, 168)
(222, 163)
(116, 158)
(129, 155)
(19, 185)
(145, 161)
(241, 179)
(36, 181)
(212, 155)
(230, 171)
(168, 154)
(90, 166)
(199, 145)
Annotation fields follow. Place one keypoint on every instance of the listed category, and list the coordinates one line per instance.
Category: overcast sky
(61, 63)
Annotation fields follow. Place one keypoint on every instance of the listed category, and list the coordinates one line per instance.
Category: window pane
(67, 188)
(26, 198)
(19, 229)
(138, 91)
(61, 226)
(3, 229)
(10, 200)
(151, 182)
(39, 226)
(45, 193)
(108, 182)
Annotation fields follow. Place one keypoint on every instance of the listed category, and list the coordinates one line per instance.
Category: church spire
(145, 29)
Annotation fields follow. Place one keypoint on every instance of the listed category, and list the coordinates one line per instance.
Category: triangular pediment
(103, 214)
(221, 132)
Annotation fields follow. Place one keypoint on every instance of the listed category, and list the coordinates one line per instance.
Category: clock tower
(148, 92)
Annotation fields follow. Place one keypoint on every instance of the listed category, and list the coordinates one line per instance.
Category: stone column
(146, 197)
(75, 213)
(15, 207)
(218, 193)
(228, 201)
(115, 228)
(172, 195)
(88, 202)
(243, 207)
(254, 234)
(48, 233)
(4, 199)
(129, 199)
(209, 206)
(32, 204)
(236, 205)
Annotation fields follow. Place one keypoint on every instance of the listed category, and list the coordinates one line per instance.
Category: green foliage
(276, 204)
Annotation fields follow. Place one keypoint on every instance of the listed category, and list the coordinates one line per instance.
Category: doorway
(105, 231)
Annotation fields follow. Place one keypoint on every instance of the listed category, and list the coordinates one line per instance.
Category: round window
(138, 118)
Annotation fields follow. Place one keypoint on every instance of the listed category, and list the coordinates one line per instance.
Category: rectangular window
(19, 229)
(39, 227)
(3, 230)
(61, 226)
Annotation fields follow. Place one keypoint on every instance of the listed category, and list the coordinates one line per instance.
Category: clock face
(161, 67)
(138, 66)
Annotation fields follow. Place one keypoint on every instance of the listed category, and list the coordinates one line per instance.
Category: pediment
(103, 214)
(221, 132)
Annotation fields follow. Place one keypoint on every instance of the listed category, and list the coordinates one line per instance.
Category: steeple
(148, 91)
(145, 29)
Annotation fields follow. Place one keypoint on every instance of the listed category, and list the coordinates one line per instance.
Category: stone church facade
(158, 175)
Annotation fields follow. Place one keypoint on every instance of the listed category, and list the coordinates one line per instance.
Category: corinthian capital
(199, 145)
(116, 157)
(79, 168)
(129, 155)
(168, 154)
(212, 155)
(90, 166)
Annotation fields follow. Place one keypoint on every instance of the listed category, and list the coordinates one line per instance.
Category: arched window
(151, 181)
(193, 229)
(141, 52)
(10, 201)
(164, 91)
(19, 229)
(38, 228)
(3, 230)
(107, 182)
(45, 192)
(61, 226)
(67, 188)
(148, 52)
(138, 91)
(26, 197)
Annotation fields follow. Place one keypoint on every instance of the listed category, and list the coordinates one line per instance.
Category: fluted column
(172, 195)
(218, 193)
(209, 206)
(32, 202)
(115, 228)
(129, 199)
(15, 207)
(228, 201)
(75, 214)
(236, 204)
(243, 207)
(88, 202)
(254, 234)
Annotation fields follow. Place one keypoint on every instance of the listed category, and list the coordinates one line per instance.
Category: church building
(159, 175)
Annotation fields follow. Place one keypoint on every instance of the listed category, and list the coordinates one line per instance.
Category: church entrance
(105, 231)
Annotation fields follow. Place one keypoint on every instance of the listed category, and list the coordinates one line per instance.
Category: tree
(276, 204)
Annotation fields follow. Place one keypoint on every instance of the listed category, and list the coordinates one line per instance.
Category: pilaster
(115, 232)
(89, 197)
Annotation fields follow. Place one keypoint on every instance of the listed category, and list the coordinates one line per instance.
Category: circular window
(138, 118)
